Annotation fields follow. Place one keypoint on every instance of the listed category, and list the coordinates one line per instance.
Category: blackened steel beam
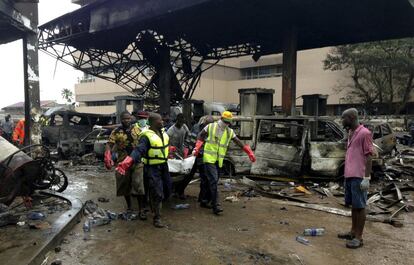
(31, 77)
(290, 39)
(165, 75)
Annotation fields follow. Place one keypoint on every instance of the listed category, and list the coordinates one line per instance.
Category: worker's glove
(197, 148)
(125, 165)
(97, 127)
(109, 163)
(249, 152)
(172, 149)
(365, 184)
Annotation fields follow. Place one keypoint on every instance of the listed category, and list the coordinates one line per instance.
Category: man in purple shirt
(358, 165)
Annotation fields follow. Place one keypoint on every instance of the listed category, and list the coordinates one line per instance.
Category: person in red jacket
(18, 133)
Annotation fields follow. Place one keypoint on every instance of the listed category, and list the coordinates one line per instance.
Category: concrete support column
(33, 133)
(289, 71)
(187, 106)
(164, 82)
(121, 106)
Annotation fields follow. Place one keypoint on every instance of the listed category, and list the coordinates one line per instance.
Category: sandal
(355, 243)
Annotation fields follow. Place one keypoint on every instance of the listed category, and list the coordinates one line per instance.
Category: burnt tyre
(59, 181)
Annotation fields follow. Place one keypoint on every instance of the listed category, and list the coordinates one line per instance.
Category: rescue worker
(121, 143)
(7, 128)
(141, 120)
(18, 133)
(216, 138)
(204, 197)
(153, 150)
(178, 134)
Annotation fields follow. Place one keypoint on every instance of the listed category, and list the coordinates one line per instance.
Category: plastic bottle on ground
(181, 206)
(314, 232)
(302, 240)
(86, 229)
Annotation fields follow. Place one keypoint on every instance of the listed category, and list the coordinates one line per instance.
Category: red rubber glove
(125, 165)
(249, 152)
(108, 160)
(172, 149)
(197, 147)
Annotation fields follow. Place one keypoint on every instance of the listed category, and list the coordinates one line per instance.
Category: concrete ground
(251, 231)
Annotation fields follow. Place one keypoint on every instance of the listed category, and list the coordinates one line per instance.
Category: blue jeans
(354, 195)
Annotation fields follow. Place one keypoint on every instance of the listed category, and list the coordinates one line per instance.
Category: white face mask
(222, 124)
(142, 123)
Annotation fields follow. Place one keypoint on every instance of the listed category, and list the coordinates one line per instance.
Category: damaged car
(290, 147)
(69, 130)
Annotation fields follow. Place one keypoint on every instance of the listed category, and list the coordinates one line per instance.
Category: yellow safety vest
(158, 152)
(215, 149)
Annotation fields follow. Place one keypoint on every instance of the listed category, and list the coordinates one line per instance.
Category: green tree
(382, 72)
(67, 95)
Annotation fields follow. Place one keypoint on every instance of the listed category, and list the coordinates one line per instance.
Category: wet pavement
(251, 231)
(38, 229)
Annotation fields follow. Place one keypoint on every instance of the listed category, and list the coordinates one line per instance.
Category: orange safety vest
(18, 134)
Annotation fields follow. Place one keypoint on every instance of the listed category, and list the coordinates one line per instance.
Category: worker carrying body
(153, 150)
(216, 138)
(18, 133)
(121, 142)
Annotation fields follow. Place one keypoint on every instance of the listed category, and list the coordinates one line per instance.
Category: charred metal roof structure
(13, 25)
(126, 37)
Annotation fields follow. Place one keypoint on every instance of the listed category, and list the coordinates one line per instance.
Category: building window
(262, 72)
(87, 78)
(100, 103)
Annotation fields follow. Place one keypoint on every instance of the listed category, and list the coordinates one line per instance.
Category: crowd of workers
(140, 151)
(11, 132)
(140, 147)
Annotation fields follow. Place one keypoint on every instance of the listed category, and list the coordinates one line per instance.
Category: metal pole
(289, 71)
(31, 76)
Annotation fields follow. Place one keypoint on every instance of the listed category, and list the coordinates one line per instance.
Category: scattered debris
(233, 198)
(296, 257)
(103, 199)
(303, 190)
(36, 216)
(40, 225)
(56, 262)
(271, 194)
(181, 206)
(128, 216)
(302, 240)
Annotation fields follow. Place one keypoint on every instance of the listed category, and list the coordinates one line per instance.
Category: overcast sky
(11, 63)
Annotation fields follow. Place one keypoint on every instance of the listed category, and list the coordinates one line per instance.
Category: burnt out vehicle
(289, 147)
(66, 130)
(383, 135)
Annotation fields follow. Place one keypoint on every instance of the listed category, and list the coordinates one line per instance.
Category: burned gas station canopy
(216, 27)
(124, 36)
(13, 25)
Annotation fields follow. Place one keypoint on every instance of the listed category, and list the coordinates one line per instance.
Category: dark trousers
(159, 185)
(212, 175)
(205, 193)
(182, 185)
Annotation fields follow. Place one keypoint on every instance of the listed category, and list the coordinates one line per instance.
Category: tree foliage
(67, 95)
(382, 72)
